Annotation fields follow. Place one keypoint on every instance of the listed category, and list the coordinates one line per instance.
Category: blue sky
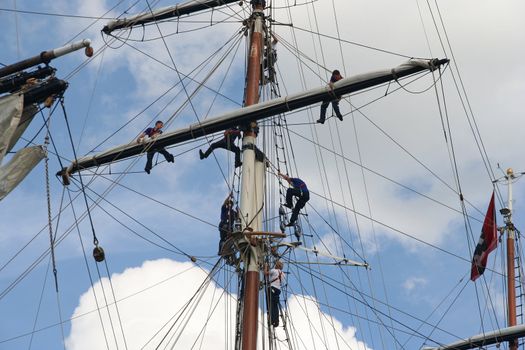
(410, 276)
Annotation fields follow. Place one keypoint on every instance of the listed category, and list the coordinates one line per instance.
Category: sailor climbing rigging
(336, 76)
(228, 216)
(227, 142)
(298, 190)
(270, 57)
(276, 279)
(152, 133)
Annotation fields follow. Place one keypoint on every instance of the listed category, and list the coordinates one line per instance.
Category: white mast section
(46, 57)
(256, 112)
(64, 50)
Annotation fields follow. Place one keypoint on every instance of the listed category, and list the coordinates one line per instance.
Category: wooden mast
(511, 288)
(513, 332)
(252, 183)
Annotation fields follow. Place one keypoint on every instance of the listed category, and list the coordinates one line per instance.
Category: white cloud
(145, 311)
(306, 319)
(414, 282)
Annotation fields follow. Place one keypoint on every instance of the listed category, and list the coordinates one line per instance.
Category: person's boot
(221, 244)
(238, 164)
(171, 158)
(201, 154)
(321, 120)
(340, 117)
(147, 170)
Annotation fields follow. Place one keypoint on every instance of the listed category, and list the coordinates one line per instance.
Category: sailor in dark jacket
(336, 76)
(152, 133)
(227, 142)
(228, 216)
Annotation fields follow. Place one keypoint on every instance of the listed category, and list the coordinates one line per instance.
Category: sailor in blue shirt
(298, 190)
(152, 133)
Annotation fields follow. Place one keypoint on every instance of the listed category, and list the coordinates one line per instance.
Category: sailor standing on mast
(152, 133)
(336, 76)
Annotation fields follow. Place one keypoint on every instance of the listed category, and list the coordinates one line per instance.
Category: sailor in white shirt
(276, 278)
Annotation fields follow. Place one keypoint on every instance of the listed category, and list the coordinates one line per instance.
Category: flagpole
(511, 289)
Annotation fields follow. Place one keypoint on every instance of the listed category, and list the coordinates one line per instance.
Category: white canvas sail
(27, 117)
(18, 167)
(11, 108)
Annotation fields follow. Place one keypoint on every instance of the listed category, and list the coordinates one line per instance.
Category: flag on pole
(487, 242)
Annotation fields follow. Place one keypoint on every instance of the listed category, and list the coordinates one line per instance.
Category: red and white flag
(487, 242)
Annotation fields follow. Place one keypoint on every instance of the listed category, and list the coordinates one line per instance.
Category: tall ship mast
(333, 220)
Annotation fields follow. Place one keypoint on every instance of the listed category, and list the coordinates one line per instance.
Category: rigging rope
(106, 304)
(472, 120)
(192, 303)
(76, 225)
(48, 200)
(116, 303)
(95, 239)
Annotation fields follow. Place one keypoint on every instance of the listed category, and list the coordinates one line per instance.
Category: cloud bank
(158, 294)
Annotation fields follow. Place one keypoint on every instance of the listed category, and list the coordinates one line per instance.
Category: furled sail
(27, 116)
(11, 108)
(14, 120)
(18, 167)
(258, 111)
(164, 13)
(18, 109)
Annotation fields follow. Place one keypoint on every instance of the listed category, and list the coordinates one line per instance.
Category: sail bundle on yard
(11, 108)
(18, 167)
(14, 119)
(18, 109)
(178, 10)
(257, 112)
